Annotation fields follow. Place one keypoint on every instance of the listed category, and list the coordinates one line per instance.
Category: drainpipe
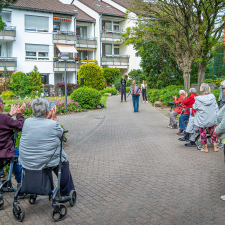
(100, 38)
(75, 33)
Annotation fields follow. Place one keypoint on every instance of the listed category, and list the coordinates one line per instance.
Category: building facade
(37, 32)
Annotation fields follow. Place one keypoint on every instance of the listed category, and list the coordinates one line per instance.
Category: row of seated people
(39, 144)
(202, 114)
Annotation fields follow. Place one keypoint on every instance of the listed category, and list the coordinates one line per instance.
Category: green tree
(137, 75)
(110, 74)
(189, 29)
(35, 80)
(93, 75)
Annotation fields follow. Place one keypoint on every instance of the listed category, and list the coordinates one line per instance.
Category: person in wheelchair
(7, 126)
(188, 103)
(178, 102)
(40, 144)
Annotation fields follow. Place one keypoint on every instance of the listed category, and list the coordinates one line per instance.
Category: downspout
(75, 33)
(100, 38)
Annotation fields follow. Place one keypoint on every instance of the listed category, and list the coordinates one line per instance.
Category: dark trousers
(144, 95)
(66, 183)
(135, 99)
(123, 93)
(182, 119)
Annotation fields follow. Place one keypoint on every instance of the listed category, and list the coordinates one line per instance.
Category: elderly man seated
(40, 144)
(7, 126)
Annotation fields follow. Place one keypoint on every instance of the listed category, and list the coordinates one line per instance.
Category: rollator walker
(59, 210)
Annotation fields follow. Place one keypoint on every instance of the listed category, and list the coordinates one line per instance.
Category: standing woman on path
(144, 92)
(123, 89)
(134, 91)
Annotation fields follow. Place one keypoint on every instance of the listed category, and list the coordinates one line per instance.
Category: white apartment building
(38, 31)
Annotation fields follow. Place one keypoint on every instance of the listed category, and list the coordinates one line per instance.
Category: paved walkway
(129, 168)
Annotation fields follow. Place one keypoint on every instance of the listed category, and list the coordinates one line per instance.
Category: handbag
(39, 182)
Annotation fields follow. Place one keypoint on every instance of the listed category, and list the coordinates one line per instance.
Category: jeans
(135, 99)
(123, 93)
(173, 115)
(182, 119)
(144, 95)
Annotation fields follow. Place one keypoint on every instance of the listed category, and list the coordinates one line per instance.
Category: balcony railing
(9, 63)
(111, 34)
(115, 60)
(64, 37)
(9, 33)
(71, 65)
(87, 42)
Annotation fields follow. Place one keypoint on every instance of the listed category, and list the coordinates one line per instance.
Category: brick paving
(129, 168)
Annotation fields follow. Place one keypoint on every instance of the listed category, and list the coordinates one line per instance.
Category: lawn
(104, 100)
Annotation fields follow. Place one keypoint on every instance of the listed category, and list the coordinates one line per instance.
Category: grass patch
(104, 100)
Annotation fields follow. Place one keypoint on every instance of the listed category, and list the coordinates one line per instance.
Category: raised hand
(13, 110)
(21, 109)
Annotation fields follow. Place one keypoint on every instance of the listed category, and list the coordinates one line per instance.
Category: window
(36, 23)
(116, 49)
(106, 49)
(106, 25)
(81, 31)
(116, 26)
(82, 55)
(37, 52)
(56, 26)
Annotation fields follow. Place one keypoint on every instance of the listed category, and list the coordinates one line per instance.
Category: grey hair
(192, 90)
(1, 100)
(181, 92)
(223, 83)
(205, 89)
(39, 107)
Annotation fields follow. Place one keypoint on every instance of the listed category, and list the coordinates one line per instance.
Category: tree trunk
(187, 74)
(201, 74)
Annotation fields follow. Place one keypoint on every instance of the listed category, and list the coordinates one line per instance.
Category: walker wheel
(1, 203)
(32, 199)
(73, 197)
(18, 212)
(59, 212)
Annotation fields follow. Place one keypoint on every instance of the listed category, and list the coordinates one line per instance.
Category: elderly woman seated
(7, 126)
(178, 109)
(40, 144)
(188, 103)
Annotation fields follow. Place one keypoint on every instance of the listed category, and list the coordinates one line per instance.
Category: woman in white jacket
(144, 92)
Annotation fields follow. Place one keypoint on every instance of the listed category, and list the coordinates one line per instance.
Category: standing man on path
(134, 91)
(123, 89)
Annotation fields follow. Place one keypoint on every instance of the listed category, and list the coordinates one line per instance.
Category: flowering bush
(71, 106)
(70, 87)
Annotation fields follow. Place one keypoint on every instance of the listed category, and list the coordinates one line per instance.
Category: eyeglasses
(2, 103)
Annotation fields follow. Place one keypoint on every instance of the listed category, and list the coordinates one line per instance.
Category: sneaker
(121, 101)
(174, 126)
(146, 101)
(190, 144)
(222, 197)
(170, 126)
(143, 101)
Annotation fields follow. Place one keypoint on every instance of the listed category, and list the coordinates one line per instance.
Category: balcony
(120, 61)
(86, 42)
(9, 63)
(71, 65)
(111, 35)
(8, 34)
(64, 37)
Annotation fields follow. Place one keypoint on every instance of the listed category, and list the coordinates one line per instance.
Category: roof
(125, 3)
(44, 5)
(102, 7)
(81, 15)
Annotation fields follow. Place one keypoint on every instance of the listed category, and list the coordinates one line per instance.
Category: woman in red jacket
(178, 109)
(188, 103)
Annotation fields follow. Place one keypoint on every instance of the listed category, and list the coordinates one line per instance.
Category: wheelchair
(199, 144)
(59, 210)
(6, 185)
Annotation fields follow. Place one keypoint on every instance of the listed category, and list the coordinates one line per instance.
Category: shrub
(127, 89)
(35, 80)
(164, 95)
(20, 84)
(113, 91)
(110, 74)
(217, 94)
(70, 88)
(88, 98)
(6, 95)
(129, 82)
(93, 76)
